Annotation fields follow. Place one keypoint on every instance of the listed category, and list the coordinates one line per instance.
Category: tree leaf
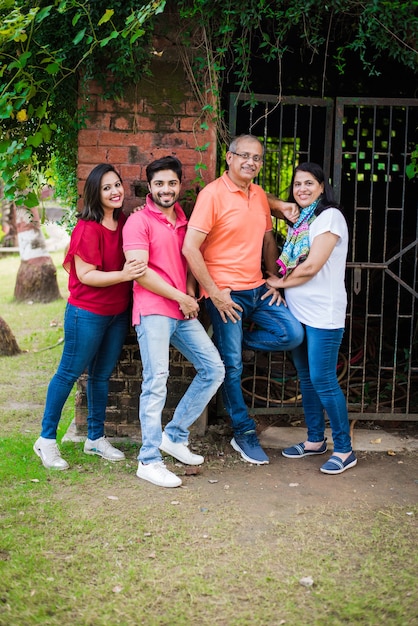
(76, 18)
(24, 58)
(31, 200)
(106, 17)
(35, 140)
(160, 8)
(106, 40)
(52, 68)
(79, 36)
(43, 13)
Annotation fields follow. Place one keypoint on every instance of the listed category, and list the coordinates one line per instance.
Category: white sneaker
(102, 447)
(49, 453)
(180, 451)
(158, 474)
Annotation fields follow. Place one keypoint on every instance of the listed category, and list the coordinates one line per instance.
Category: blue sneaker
(249, 448)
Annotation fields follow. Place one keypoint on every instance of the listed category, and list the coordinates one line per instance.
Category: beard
(165, 204)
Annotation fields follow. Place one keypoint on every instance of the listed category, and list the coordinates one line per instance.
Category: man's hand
(189, 306)
(228, 309)
(290, 211)
(273, 293)
(282, 209)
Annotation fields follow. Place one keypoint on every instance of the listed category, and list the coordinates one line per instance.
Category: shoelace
(252, 439)
(54, 452)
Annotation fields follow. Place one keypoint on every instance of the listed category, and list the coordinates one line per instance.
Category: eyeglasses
(246, 157)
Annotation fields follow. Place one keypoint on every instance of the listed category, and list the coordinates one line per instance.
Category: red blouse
(101, 247)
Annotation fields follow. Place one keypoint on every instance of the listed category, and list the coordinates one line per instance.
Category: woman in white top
(312, 271)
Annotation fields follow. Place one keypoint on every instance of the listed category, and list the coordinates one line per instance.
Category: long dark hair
(92, 210)
(327, 199)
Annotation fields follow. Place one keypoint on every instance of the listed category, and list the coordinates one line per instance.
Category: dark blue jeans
(276, 330)
(316, 362)
(91, 341)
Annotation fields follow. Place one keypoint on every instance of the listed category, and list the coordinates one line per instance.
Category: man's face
(242, 166)
(165, 188)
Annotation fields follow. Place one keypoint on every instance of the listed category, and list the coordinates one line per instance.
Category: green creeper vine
(44, 49)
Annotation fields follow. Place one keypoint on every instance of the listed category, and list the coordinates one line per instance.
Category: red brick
(98, 121)
(84, 169)
(193, 108)
(92, 155)
(166, 107)
(124, 123)
(111, 138)
(117, 154)
(132, 173)
(166, 124)
(88, 137)
(112, 106)
(145, 123)
(189, 124)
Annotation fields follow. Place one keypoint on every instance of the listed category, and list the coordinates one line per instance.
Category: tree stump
(36, 278)
(8, 343)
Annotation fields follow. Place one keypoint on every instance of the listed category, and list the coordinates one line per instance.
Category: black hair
(92, 210)
(165, 163)
(327, 199)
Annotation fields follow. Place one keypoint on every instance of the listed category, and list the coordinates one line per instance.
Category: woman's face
(306, 189)
(111, 192)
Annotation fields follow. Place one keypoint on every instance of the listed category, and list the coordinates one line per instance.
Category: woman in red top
(96, 315)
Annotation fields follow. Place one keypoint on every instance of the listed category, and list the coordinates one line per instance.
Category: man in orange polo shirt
(229, 231)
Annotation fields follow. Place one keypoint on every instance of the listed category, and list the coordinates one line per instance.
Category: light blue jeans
(276, 330)
(92, 342)
(155, 333)
(316, 363)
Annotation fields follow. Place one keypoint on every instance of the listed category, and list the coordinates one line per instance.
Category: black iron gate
(364, 146)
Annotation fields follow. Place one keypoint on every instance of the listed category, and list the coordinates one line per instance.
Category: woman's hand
(141, 207)
(275, 282)
(133, 269)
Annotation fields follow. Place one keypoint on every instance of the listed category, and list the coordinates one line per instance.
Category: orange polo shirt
(235, 225)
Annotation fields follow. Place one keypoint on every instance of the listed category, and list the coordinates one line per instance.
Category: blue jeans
(276, 330)
(155, 333)
(316, 362)
(91, 341)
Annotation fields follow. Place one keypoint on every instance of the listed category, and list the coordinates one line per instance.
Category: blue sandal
(335, 465)
(298, 451)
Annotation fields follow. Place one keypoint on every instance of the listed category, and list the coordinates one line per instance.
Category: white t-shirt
(322, 301)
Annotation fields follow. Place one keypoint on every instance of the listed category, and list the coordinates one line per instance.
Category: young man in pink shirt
(229, 232)
(165, 311)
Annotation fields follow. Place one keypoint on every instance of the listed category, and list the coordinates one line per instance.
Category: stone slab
(277, 437)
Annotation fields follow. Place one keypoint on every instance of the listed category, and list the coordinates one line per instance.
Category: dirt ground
(287, 487)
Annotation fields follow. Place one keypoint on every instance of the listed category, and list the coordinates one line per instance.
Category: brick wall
(157, 117)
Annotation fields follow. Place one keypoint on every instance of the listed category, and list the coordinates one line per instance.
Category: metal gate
(364, 146)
